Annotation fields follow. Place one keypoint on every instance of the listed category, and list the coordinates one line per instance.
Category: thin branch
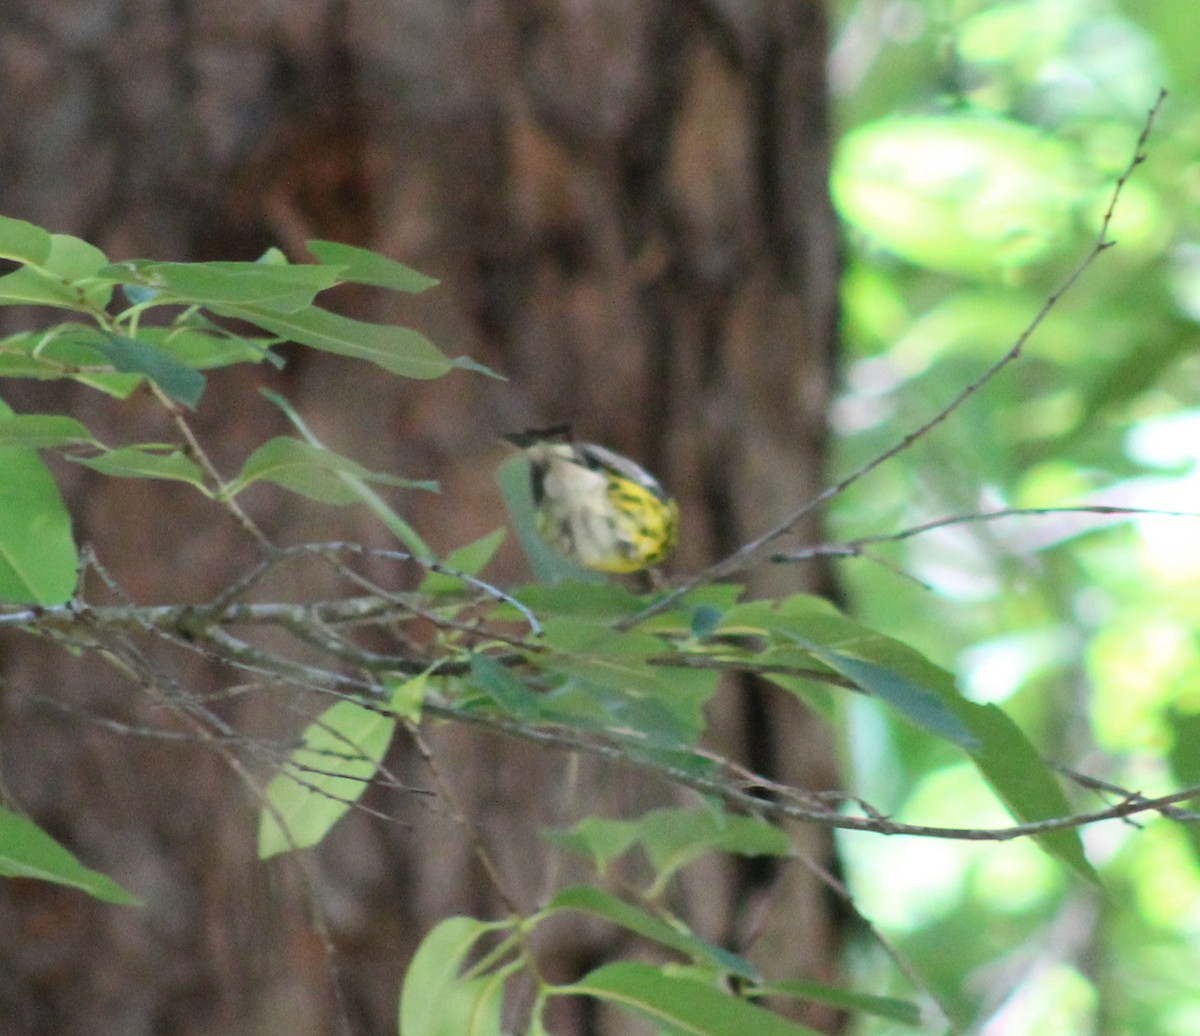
(748, 552)
(854, 548)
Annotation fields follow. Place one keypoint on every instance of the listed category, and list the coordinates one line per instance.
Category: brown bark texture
(626, 203)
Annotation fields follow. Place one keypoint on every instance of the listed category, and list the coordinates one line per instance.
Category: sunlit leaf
(316, 787)
(961, 194)
(434, 1000)
(206, 349)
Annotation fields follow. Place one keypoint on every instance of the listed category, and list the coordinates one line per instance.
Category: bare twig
(750, 551)
(854, 548)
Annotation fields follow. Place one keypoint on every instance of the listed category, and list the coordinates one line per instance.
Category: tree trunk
(626, 203)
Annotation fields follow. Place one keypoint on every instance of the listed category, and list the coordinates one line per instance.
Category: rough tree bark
(626, 202)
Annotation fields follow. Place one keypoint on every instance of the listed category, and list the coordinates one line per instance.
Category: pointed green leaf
(596, 838)
(38, 561)
(398, 350)
(147, 461)
(312, 471)
(686, 1004)
(466, 363)
(407, 696)
(601, 904)
(275, 287)
(903, 1011)
(470, 560)
(129, 356)
(504, 689)
(674, 838)
(316, 787)
(918, 704)
(432, 995)
(203, 349)
(59, 354)
(404, 532)
(362, 266)
(26, 851)
(1024, 783)
(40, 431)
(926, 694)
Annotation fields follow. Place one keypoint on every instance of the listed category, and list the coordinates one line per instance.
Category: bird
(595, 507)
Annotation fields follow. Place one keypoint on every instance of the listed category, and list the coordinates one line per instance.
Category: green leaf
(910, 683)
(72, 346)
(398, 350)
(600, 603)
(60, 352)
(674, 838)
(406, 696)
(1184, 760)
(64, 278)
(129, 356)
(509, 693)
(38, 561)
(39, 431)
(665, 705)
(274, 287)
(431, 999)
(601, 904)
(404, 532)
(918, 704)
(903, 1011)
(1024, 783)
(690, 1006)
(966, 194)
(203, 349)
(466, 363)
(470, 560)
(26, 851)
(362, 266)
(147, 461)
(598, 839)
(340, 755)
(312, 471)
(23, 242)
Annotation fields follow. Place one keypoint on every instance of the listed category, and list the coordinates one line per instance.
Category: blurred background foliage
(979, 145)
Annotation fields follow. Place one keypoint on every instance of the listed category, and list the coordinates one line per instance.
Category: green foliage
(26, 851)
(318, 784)
(1081, 631)
(584, 663)
(37, 553)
